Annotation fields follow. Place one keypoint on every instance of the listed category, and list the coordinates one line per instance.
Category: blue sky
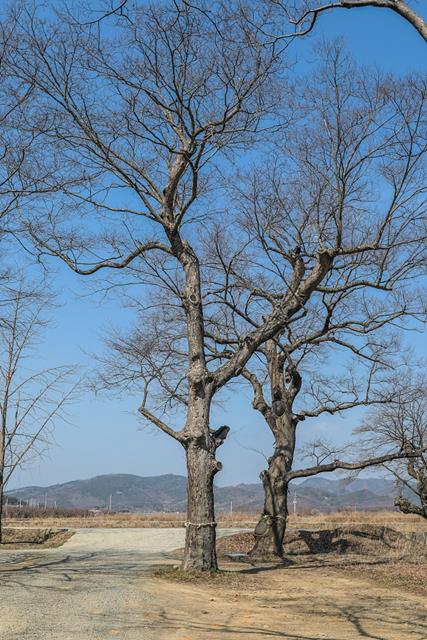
(104, 435)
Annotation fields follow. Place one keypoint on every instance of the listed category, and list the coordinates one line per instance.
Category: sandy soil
(300, 602)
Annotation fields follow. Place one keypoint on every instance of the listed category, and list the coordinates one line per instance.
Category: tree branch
(160, 424)
(351, 466)
(398, 6)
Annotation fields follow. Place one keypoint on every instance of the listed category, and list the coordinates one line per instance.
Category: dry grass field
(392, 519)
(369, 550)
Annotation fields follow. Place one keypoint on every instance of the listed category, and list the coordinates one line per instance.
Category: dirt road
(96, 587)
(90, 588)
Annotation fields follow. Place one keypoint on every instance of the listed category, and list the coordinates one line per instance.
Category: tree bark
(284, 387)
(1, 508)
(398, 6)
(2, 469)
(419, 473)
(200, 538)
(197, 438)
(201, 443)
(271, 528)
(408, 507)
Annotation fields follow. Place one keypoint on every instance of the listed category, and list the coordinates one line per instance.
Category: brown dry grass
(34, 538)
(128, 520)
(113, 520)
(391, 519)
(369, 551)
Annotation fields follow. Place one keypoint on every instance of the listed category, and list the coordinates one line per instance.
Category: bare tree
(342, 349)
(15, 140)
(284, 411)
(403, 424)
(136, 130)
(32, 400)
(346, 178)
(131, 127)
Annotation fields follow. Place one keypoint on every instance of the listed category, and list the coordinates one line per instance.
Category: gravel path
(90, 588)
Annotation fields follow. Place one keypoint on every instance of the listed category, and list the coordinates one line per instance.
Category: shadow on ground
(113, 591)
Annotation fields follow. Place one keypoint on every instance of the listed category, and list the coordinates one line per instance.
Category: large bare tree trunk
(1, 507)
(2, 479)
(200, 538)
(3, 426)
(199, 441)
(271, 528)
(279, 415)
(417, 470)
(201, 444)
(2, 468)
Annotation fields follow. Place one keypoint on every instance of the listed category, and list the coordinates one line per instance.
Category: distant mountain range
(168, 493)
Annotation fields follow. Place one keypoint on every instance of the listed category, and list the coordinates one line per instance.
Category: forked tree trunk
(200, 538)
(271, 528)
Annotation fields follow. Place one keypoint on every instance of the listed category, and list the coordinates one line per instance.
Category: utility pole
(6, 506)
(295, 502)
(111, 498)
(231, 507)
(45, 501)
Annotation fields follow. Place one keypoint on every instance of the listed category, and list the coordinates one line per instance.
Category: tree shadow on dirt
(54, 571)
(392, 616)
(323, 542)
(361, 617)
(319, 562)
(168, 623)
